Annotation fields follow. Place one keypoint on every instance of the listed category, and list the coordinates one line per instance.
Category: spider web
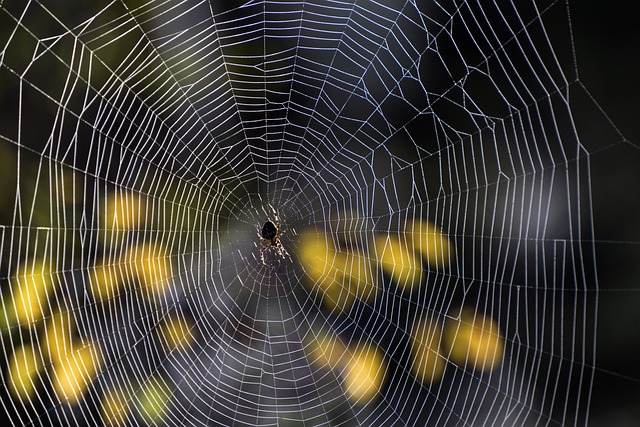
(144, 145)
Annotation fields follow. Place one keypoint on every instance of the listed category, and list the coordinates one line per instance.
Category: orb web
(426, 170)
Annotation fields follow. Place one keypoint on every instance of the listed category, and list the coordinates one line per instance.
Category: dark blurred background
(607, 42)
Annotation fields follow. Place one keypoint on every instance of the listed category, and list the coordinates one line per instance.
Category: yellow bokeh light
(31, 291)
(177, 332)
(363, 374)
(23, 371)
(325, 268)
(153, 399)
(360, 276)
(430, 242)
(474, 340)
(151, 265)
(73, 373)
(326, 349)
(427, 362)
(361, 368)
(57, 335)
(340, 276)
(114, 408)
(399, 261)
(104, 282)
(124, 211)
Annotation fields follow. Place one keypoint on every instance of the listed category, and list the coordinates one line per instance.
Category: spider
(271, 235)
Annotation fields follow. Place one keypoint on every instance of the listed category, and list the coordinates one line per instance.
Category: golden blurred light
(57, 335)
(326, 349)
(427, 362)
(399, 261)
(124, 211)
(73, 373)
(23, 371)
(363, 374)
(30, 293)
(153, 399)
(104, 282)
(360, 276)
(325, 268)
(361, 368)
(473, 340)
(176, 331)
(151, 265)
(430, 242)
(114, 408)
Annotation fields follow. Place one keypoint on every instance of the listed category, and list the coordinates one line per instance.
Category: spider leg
(276, 220)
(282, 252)
(264, 248)
(272, 208)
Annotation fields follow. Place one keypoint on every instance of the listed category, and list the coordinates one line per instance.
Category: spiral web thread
(145, 144)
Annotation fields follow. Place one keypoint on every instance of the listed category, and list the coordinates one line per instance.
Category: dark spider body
(270, 237)
(269, 230)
